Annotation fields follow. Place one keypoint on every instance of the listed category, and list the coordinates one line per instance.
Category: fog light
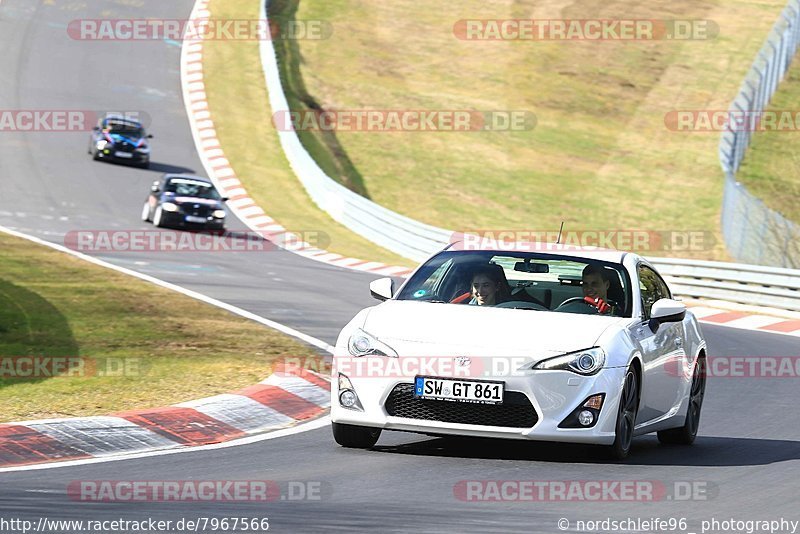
(586, 418)
(347, 398)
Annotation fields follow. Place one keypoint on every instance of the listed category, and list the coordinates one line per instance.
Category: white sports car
(584, 347)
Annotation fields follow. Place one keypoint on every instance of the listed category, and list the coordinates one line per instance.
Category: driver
(595, 288)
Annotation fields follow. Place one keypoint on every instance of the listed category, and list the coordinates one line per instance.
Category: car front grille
(200, 211)
(515, 412)
(124, 147)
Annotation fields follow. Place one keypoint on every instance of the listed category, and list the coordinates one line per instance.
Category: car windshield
(192, 188)
(533, 281)
(124, 128)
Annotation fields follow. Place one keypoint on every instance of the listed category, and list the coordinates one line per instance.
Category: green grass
(243, 120)
(771, 168)
(600, 157)
(175, 348)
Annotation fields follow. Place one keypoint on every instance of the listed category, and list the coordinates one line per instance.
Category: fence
(754, 233)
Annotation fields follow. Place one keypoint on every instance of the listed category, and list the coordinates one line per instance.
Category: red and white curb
(281, 401)
(746, 319)
(219, 169)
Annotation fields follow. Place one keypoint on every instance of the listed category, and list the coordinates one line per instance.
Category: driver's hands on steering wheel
(601, 305)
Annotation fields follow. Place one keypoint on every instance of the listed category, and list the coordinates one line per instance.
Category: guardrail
(734, 282)
(754, 233)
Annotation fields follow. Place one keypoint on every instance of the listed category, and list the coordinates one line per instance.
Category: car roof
(589, 253)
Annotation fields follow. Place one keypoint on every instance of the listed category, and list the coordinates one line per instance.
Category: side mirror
(668, 311)
(225, 199)
(96, 129)
(382, 288)
(154, 188)
(149, 136)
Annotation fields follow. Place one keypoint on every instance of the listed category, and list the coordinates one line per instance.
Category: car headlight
(169, 206)
(583, 362)
(363, 344)
(144, 149)
(101, 144)
(219, 214)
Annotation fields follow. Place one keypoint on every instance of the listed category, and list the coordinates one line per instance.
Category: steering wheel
(522, 305)
(461, 298)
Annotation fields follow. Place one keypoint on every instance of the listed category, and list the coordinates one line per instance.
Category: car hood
(192, 200)
(443, 329)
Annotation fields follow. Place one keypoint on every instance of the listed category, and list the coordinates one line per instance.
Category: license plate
(193, 219)
(477, 391)
(123, 154)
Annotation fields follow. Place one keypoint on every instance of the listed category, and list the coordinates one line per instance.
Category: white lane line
(305, 427)
(182, 290)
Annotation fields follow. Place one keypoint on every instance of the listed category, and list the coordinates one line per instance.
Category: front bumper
(553, 395)
(137, 158)
(178, 219)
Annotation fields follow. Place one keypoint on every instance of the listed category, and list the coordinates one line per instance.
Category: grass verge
(237, 98)
(600, 158)
(771, 168)
(155, 347)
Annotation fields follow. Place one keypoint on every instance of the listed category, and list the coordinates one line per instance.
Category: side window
(652, 288)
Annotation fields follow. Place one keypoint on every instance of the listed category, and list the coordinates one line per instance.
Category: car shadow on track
(706, 451)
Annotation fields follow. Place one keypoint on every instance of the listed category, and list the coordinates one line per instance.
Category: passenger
(595, 288)
(489, 286)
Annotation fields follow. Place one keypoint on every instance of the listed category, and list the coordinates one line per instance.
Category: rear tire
(626, 417)
(686, 434)
(356, 437)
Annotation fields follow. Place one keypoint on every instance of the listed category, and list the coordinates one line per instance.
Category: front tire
(158, 218)
(356, 437)
(686, 434)
(626, 416)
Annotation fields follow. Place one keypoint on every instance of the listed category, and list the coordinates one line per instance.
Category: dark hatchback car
(182, 200)
(120, 139)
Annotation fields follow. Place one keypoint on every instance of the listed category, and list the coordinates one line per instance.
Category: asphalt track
(746, 457)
